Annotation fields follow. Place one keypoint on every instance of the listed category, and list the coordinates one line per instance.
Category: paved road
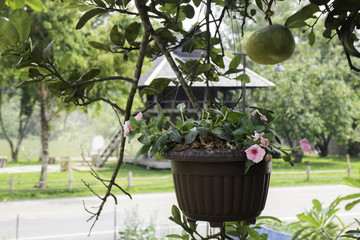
(66, 218)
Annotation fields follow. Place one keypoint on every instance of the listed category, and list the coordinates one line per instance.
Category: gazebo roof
(161, 69)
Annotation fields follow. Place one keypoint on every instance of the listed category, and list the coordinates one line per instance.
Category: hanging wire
(243, 85)
(188, 56)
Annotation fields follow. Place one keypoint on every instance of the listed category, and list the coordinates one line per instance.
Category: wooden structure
(3, 161)
(227, 90)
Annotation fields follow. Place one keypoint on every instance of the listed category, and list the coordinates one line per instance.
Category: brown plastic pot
(210, 185)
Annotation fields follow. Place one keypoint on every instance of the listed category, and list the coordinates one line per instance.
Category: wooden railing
(131, 181)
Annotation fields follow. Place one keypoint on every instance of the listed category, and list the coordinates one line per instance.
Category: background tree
(317, 96)
(23, 102)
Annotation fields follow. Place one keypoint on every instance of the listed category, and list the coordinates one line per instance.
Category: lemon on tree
(270, 45)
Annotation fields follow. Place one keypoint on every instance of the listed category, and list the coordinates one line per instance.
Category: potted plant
(221, 164)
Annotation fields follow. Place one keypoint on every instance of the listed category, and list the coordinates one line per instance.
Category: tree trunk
(44, 136)
(299, 154)
(322, 147)
(23, 122)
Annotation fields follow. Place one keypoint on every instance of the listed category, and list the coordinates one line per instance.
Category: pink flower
(305, 145)
(264, 142)
(139, 116)
(127, 128)
(255, 153)
(263, 117)
(257, 136)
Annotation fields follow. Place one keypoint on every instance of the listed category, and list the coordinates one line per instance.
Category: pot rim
(206, 155)
(210, 155)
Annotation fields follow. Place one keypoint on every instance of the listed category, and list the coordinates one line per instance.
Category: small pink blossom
(264, 142)
(263, 117)
(305, 145)
(257, 136)
(139, 116)
(127, 128)
(255, 153)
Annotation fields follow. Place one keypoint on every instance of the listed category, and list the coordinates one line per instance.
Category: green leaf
(8, 34)
(351, 196)
(150, 91)
(189, 11)
(217, 59)
(15, 4)
(110, 2)
(243, 78)
(302, 15)
(202, 68)
(33, 73)
(222, 134)
(88, 15)
(21, 21)
(235, 62)
(254, 234)
(132, 31)
(117, 36)
(175, 135)
(190, 137)
(203, 131)
(248, 164)
(36, 5)
(90, 75)
(74, 76)
(158, 145)
(197, 2)
(100, 3)
(349, 206)
(317, 204)
(27, 83)
(144, 149)
(259, 4)
(311, 38)
(65, 60)
(160, 117)
(269, 217)
(160, 83)
(174, 236)
(354, 182)
(176, 212)
(252, 12)
(100, 46)
(48, 51)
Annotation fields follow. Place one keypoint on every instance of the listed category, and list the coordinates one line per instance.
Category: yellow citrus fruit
(270, 45)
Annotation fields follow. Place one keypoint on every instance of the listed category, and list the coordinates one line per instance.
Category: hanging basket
(210, 185)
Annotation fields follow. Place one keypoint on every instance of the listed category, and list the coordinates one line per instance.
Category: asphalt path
(65, 218)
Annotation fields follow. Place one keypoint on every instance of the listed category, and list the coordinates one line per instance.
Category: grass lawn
(316, 163)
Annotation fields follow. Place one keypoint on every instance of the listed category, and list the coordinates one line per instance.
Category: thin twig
(114, 105)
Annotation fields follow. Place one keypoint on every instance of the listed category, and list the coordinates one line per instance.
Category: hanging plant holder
(211, 185)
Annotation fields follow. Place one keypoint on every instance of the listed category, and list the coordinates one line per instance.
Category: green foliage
(239, 130)
(353, 234)
(134, 230)
(319, 222)
(353, 182)
(320, 100)
(241, 230)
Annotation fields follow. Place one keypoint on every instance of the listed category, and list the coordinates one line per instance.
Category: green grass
(56, 149)
(316, 163)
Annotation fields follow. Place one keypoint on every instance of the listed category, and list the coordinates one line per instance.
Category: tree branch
(95, 80)
(148, 28)
(127, 114)
(114, 105)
